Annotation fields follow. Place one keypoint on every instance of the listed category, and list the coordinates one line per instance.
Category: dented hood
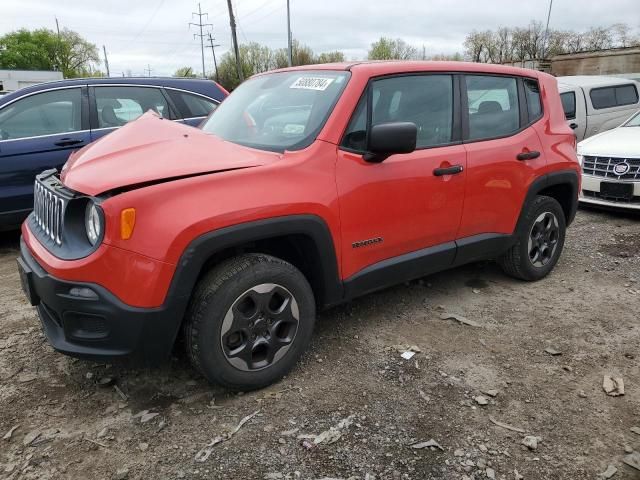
(151, 149)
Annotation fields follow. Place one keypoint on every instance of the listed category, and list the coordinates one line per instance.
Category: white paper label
(312, 83)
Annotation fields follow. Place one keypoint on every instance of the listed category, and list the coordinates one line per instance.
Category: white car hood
(620, 142)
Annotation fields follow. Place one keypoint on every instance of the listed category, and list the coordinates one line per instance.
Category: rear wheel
(249, 321)
(539, 241)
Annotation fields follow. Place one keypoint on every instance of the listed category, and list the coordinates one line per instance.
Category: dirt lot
(354, 380)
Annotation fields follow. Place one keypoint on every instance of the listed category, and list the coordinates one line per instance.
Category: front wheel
(249, 321)
(539, 241)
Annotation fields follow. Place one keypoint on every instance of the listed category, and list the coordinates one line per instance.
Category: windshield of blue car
(278, 111)
(633, 121)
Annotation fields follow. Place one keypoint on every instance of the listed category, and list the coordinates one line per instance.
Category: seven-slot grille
(48, 210)
(603, 167)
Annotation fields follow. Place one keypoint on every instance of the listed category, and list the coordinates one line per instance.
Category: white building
(11, 80)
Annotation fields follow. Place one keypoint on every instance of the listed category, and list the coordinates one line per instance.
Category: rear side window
(608, 97)
(48, 113)
(493, 106)
(568, 105)
(534, 104)
(117, 106)
(426, 100)
(192, 105)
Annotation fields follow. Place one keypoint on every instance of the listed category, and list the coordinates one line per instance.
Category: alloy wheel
(260, 327)
(543, 239)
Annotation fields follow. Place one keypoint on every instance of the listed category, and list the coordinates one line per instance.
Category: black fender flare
(203, 247)
(561, 177)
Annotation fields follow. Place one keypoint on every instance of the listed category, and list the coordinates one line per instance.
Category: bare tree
(520, 44)
(598, 38)
(623, 36)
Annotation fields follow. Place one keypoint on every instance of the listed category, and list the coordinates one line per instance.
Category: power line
(201, 25)
(267, 15)
(146, 25)
(148, 70)
(256, 9)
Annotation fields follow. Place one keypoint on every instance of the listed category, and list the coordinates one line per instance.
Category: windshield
(280, 111)
(633, 121)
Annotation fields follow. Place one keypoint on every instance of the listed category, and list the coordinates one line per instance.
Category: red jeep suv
(307, 187)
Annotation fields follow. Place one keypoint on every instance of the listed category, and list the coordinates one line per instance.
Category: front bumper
(590, 194)
(87, 321)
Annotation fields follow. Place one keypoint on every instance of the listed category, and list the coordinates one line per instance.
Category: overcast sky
(138, 33)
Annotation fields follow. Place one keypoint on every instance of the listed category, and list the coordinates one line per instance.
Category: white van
(594, 104)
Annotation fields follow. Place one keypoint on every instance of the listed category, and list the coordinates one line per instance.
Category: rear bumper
(87, 321)
(590, 194)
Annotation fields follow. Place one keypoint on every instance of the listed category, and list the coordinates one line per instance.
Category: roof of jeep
(386, 67)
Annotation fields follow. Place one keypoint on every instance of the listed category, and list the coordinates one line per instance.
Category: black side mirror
(387, 139)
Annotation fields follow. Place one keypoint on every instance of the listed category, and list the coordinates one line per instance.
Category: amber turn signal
(127, 222)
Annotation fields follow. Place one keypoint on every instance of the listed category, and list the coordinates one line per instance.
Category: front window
(633, 121)
(279, 111)
(48, 113)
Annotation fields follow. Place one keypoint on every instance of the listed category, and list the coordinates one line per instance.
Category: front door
(404, 204)
(37, 132)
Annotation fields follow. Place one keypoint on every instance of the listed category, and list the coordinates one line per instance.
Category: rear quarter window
(534, 103)
(190, 105)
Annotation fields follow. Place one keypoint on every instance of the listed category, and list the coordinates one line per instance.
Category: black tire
(243, 283)
(518, 261)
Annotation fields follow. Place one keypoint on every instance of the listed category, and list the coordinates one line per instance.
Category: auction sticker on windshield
(312, 83)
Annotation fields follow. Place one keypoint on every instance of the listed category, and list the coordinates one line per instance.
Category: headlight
(580, 158)
(93, 223)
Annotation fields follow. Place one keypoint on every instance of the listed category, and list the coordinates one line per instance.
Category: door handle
(528, 155)
(573, 126)
(452, 170)
(67, 142)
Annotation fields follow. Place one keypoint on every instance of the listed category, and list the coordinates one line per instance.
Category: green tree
(390, 49)
(330, 57)
(43, 49)
(184, 72)
(257, 58)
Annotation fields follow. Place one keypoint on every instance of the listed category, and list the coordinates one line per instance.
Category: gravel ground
(374, 407)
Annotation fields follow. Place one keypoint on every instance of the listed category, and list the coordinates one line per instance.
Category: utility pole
(57, 67)
(106, 60)
(289, 39)
(201, 25)
(213, 50)
(148, 70)
(546, 31)
(234, 38)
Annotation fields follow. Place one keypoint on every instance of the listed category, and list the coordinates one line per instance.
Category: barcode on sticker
(312, 83)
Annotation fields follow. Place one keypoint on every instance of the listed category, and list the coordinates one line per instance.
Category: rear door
(192, 108)
(113, 106)
(37, 132)
(404, 204)
(504, 154)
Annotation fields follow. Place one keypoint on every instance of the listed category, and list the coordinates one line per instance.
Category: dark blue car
(41, 125)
